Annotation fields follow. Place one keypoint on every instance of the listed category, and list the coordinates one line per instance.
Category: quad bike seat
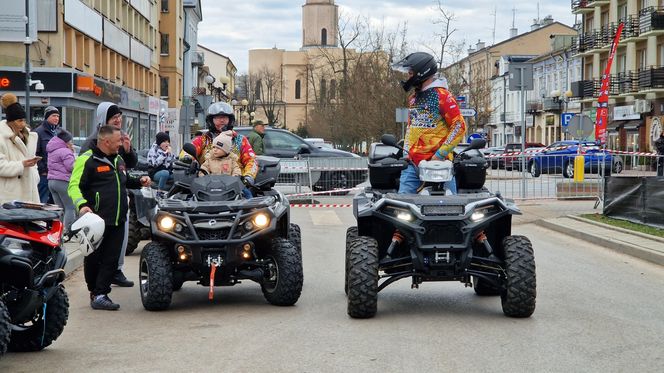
(26, 215)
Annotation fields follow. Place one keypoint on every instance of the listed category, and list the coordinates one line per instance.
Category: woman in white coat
(18, 173)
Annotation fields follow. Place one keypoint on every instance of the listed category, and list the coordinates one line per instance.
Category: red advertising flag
(603, 100)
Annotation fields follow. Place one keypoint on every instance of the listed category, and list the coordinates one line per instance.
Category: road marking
(322, 217)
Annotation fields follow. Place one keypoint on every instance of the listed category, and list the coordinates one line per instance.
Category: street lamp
(217, 92)
(560, 99)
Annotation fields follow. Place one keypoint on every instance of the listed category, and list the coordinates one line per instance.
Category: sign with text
(470, 112)
(565, 118)
(625, 113)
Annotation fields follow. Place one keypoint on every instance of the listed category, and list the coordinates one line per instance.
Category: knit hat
(161, 137)
(50, 111)
(65, 136)
(112, 111)
(223, 142)
(258, 123)
(12, 108)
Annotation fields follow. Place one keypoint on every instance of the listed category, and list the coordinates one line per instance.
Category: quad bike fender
(16, 271)
(143, 205)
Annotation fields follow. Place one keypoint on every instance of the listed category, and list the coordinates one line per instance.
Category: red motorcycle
(33, 303)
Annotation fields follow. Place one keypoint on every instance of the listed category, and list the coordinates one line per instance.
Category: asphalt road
(596, 311)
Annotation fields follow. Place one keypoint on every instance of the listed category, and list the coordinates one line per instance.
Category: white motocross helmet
(90, 231)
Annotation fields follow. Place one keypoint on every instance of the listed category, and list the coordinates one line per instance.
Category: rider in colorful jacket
(435, 123)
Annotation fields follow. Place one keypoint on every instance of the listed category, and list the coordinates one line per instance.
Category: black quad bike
(34, 307)
(435, 235)
(205, 231)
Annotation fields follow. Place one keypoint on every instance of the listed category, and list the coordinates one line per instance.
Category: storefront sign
(52, 81)
(625, 113)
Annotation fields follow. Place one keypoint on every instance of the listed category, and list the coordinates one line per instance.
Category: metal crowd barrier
(552, 177)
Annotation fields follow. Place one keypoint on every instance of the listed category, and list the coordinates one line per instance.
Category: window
(163, 90)
(323, 37)
(164, 44)
(298, 89)
(283, 141)
(333, 89)
(323, 90)
(257, 90)
(164, 6)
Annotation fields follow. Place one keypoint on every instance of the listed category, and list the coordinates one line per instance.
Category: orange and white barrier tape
(324, 192)
(323, 205)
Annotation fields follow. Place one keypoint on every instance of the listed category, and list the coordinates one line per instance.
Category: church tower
(320, 20)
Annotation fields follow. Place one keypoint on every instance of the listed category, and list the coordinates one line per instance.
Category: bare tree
(445, 19)
(268, 92)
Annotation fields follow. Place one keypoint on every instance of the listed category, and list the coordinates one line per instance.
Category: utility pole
(28, 75)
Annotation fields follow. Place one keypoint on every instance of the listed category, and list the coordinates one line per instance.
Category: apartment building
(473, 76)
(636, 97)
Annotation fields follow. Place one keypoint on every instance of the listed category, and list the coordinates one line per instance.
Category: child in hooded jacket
(60, 150)
(221, 161)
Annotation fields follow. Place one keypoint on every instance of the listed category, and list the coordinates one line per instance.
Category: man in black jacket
(98, 184)
(109, 114)
(659, 146)
(46, 130)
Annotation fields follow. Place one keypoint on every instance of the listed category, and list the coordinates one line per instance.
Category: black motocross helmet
(423, 66)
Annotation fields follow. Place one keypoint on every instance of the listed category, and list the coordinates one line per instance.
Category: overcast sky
(233, 27)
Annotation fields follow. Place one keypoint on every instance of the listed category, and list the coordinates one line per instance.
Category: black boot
(121, 280)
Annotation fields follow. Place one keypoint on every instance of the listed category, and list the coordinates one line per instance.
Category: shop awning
(613, 126)
(632, 125)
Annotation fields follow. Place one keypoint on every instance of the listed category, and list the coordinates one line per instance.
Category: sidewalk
(640, 245)
(74, 257)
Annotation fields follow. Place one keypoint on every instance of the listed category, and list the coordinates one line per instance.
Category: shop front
(77, 95)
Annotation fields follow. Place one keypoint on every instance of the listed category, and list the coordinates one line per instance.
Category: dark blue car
(559, 158)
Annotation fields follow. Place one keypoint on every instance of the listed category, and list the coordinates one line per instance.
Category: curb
(621, 247)
(74, 259)
(623, 230)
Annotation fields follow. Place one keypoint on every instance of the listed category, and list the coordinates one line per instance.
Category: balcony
(651, 21)
(625, 83)
(533, 106)
(582, 6)
(631, 30)
(585, 89)
(549, 104)
(651, 78)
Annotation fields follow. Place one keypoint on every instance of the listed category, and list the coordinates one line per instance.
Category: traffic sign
(565, 118)
(580, 127)
(474, 136)
(470, 112)
(461, 100)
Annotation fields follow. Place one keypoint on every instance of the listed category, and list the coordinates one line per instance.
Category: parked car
(529, 155)
(494, 162)
(284, 144)
(511, 161)
(319, 142)
(559, 158)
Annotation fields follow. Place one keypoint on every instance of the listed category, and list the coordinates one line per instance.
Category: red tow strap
(213, 269)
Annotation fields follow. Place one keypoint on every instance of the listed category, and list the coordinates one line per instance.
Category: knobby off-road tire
(295, 236)
(484, 288)
(351, 234)
(5, 328)
(518, 299)
(134, 233)
(363, 278)
(156, 277)
(282, 284)
(30, 339)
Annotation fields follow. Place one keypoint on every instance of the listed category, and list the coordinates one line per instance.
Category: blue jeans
(44, 192)
(246, 193)
(410, 181)
(162, 178)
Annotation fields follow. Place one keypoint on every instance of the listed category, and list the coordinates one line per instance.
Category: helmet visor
(402, 66)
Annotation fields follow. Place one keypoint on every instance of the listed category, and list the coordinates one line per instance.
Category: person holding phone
(18, 172)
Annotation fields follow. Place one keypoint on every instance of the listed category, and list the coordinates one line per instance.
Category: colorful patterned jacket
(241, 148)
(435, 124)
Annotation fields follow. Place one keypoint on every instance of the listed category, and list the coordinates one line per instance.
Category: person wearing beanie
(221, 160)
(256, 137)
(48, 128)
(110, 114)
(60, 152)
(18, 174)
(160, 160)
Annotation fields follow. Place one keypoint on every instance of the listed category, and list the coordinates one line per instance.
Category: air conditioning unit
(642, 106)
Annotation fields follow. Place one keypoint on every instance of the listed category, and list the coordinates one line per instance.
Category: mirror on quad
(476, 144)
(389, 139)
(190, 149)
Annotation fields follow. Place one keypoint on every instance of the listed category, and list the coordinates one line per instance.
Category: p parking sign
(565, 119)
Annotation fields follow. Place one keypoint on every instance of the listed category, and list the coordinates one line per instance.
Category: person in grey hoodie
(110, 114)
(60, 152)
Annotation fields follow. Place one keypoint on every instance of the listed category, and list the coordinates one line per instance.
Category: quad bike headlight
(481, 213)
(399, 213)
(166, 223)
(261, 220)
